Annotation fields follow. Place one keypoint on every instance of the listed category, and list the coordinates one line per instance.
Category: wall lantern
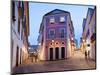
(52, 40)
(39, 43)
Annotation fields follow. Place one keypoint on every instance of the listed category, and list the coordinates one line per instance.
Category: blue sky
(37, 10)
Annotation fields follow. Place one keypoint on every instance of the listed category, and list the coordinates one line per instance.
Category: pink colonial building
(56, 36)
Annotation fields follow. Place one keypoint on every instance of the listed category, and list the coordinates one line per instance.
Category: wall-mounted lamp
(52, 40)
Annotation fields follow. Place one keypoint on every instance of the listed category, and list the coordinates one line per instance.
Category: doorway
(57, 52)
(17, 56)
(51, 53)
(62, 52)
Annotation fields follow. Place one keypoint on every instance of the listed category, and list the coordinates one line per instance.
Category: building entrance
(57, 53)
(62, 52)
(51, 53)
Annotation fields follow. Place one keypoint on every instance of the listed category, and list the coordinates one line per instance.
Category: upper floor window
(13, 11)
(62, 33)
(88, 33)
(62, 30)
(18, 25)
(62, 19)
(52, 20)
(51, 33)
(21, 9)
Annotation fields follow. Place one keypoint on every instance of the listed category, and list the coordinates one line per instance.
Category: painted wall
(44, 51)
(15, 37)
(18, 39)
(92, 27)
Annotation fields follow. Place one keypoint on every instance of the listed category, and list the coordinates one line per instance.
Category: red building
(56, 35)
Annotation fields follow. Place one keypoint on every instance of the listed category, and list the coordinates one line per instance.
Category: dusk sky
(38, 10)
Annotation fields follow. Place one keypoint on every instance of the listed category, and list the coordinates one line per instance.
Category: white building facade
(19, 37)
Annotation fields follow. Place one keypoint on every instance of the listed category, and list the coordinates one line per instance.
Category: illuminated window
(62, 19)
(52, 20)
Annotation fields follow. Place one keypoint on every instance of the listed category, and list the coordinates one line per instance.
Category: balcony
(59, 35)
(51, 36)
(62, 35)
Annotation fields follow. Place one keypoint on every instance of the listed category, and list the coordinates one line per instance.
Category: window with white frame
(62, 19)
(52, 20)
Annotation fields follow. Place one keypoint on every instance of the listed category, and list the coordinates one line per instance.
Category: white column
(54, 53)
(59, 52)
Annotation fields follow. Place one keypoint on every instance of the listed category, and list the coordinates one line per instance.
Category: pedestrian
(85, 54)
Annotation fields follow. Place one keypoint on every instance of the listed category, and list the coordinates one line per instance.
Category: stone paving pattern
(76, 62)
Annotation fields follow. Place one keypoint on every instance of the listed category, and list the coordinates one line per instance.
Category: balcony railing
(51, 36)
(62, 35)
(59, 35)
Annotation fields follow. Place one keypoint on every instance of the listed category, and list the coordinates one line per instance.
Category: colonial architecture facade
(19, 32)
(56, 36)
(89, 33)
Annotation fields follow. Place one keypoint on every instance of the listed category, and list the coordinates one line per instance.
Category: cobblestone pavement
(76, 62)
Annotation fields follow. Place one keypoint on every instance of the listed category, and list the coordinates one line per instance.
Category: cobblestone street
(76, 62)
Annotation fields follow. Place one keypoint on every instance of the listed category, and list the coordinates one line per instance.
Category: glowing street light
(83, 40)
(39, 43)
(52, 40)
(72, 39)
